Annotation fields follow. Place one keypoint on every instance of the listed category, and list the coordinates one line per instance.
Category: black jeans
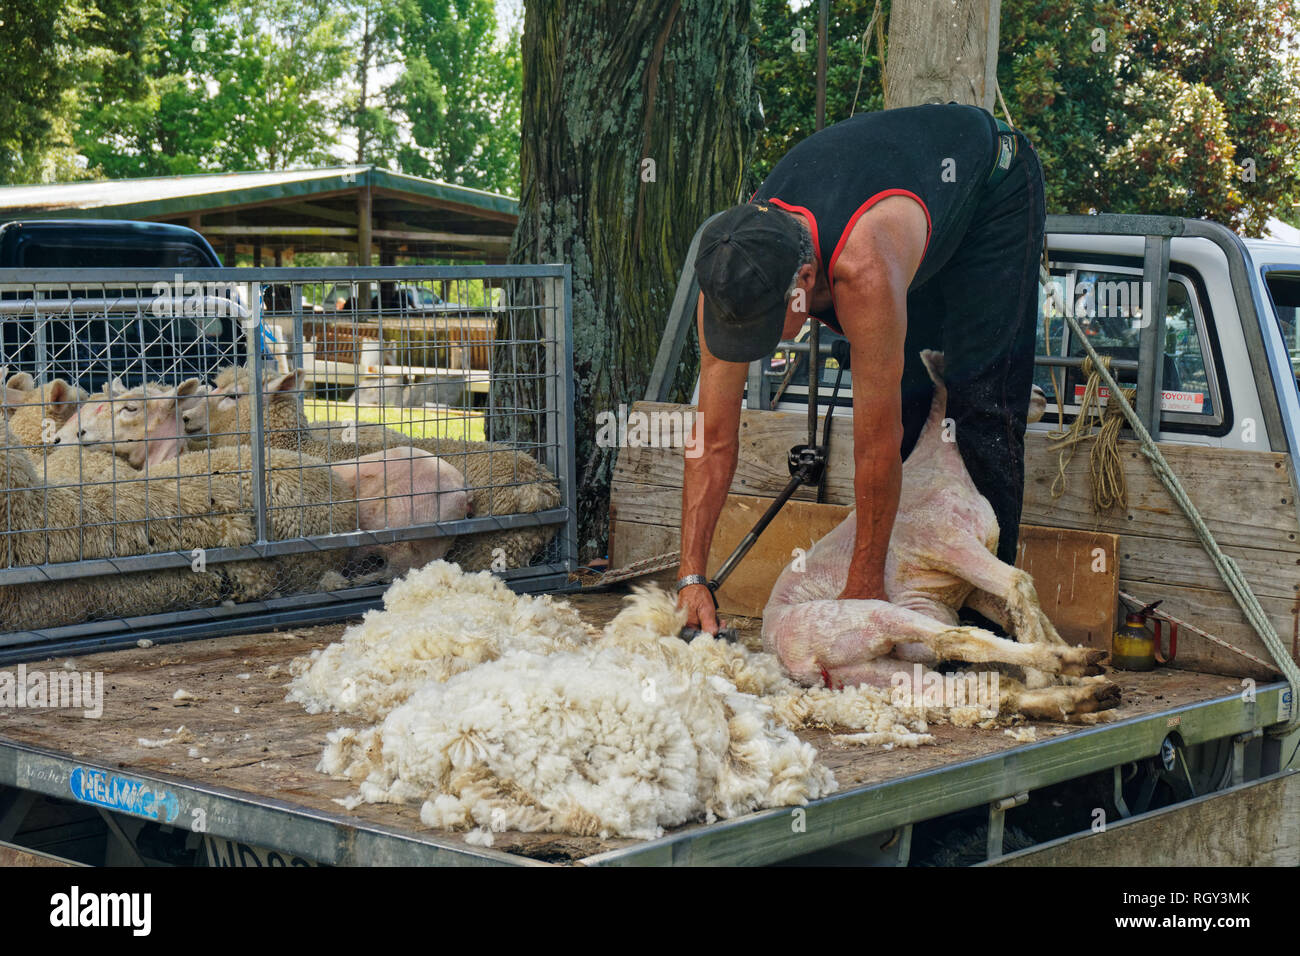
(981, 309)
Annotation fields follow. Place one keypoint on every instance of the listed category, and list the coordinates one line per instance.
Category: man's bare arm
(708, 476)
(877, 434)
(871, 284)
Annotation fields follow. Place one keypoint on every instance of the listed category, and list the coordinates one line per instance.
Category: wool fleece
(496, 711)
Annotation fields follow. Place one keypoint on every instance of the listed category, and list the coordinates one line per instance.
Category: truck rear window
(1108, 305)
(123, 255)
(1284, 290)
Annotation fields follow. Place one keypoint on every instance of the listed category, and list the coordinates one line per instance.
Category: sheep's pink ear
(63, 397)
(290, 382)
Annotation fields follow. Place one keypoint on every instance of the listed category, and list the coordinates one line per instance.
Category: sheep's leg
(911, 683)
(831, 641)
(995, 609)
(1089, 695)
(967, 557)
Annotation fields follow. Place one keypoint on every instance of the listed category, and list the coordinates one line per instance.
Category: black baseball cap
(746, 259)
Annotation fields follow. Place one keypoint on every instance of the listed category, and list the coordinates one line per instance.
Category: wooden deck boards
(248, 738)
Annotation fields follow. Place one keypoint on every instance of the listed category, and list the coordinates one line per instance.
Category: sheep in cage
(394, 488)
(501, 480)
(36, 414)
(51, 524)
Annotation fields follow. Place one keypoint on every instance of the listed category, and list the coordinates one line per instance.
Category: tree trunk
(638, 120)
(942, 50)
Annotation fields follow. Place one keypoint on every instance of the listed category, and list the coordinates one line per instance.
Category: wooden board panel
(1250, 826)
(798, 525)
(1182, 563)
(1078, 592)
(1163, 561)
(765, 441)
(1245, 497)
(1217, 612)
(633, 540)
(11, 855)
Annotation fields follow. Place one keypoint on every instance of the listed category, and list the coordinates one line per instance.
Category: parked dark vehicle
(107, 336)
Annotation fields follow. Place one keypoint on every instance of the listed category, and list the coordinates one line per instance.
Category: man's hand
(857, 591)
(701, 614)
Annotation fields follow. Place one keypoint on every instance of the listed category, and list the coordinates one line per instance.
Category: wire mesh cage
(235, 442)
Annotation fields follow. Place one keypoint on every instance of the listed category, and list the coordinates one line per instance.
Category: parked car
(113, 331)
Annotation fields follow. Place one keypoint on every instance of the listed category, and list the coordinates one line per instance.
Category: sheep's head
(18, 390)
(142, 423)
(194, 411)
(230, 406)
(41, 412)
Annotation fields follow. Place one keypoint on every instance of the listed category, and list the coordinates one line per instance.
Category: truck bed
(253, 776)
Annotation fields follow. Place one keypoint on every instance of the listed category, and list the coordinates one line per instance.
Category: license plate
(222, 852)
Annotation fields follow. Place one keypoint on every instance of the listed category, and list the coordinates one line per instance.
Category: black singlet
(941, 156)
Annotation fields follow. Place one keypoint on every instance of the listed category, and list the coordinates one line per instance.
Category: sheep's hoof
(1058, 701)
(1101, 695)
(1082, 661)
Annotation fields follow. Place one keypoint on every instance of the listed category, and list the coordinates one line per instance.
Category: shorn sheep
(941, 557)
(495, 711)
(500, 479)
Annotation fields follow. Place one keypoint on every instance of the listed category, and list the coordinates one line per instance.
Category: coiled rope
(1108, 487)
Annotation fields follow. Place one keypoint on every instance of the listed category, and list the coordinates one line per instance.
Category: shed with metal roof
(270, 215)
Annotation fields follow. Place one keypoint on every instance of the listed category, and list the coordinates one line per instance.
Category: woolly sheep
(304, 497)
(142, 424)
(36, 414)
(392, 489)
(138, 516)
(500, 479)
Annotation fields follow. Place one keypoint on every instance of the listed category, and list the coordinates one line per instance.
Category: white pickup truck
(1195, 769)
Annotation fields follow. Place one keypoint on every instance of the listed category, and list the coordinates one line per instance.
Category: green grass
(415, 422)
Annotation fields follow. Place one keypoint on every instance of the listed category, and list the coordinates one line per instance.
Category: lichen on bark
(607, 85)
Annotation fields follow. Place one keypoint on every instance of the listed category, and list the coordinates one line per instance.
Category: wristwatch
(688, 580)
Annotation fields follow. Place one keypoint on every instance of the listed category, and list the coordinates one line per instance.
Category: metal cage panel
(148, 486)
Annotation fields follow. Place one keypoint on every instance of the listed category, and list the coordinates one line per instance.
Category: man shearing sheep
(902, 230)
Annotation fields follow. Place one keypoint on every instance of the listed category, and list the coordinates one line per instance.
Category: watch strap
(689, 579)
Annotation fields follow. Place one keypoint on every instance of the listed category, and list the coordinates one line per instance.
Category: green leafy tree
(227, 85)
(277, 100)
(1157, 106)
(168, 124)
(49, 49)
(458, 94)
(785, 49)
(1189, 107)
(367, 108)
